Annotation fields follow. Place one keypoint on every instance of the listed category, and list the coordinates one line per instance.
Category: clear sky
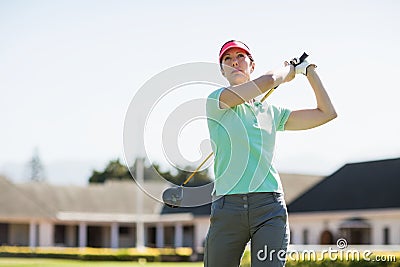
(69, 70)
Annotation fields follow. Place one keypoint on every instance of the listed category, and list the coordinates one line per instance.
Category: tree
(117, 171)
(36, 169)
(113, 171)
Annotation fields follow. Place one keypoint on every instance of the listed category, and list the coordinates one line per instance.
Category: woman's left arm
(310, 118)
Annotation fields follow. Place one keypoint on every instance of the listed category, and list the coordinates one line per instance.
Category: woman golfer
(248, 203)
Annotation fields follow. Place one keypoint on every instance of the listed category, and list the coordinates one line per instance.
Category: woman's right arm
(238, 94)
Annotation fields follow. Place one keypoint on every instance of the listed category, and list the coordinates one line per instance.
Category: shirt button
(244, 197)
(245, 206)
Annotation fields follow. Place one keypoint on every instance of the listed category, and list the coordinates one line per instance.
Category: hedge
(326, 262)
(108, 254)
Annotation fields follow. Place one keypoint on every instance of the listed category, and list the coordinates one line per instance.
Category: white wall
(201, 226)
(46, 234)
(317, 222)
(378, 227)
(314, 228)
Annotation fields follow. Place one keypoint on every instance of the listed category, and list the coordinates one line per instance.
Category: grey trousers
(237, 219)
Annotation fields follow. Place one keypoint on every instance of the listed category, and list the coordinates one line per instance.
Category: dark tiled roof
(191, 198)
(364, 185)
(296, 184)
(293, 185)
(197, 211)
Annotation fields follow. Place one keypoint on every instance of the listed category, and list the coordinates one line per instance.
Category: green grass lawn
(32, 262)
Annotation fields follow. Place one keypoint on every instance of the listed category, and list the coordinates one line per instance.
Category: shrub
(246, 261)
(105, 254)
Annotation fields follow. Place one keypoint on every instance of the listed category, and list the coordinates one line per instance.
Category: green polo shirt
(243, 141)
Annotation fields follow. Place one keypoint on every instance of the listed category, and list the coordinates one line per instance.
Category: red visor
(232, 44)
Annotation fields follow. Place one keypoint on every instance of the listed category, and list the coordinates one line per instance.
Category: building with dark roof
(359, 202)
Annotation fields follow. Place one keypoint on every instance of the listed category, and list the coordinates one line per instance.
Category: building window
(291, 236)
(305, 237)
(386, 236)
(95, 236)
(151, 236)
(59, 235)
(124, 230)
(169, 236)
(188, 236)
(4, 234)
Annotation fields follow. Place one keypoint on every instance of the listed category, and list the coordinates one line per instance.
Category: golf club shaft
(268, 94)
(197, 169)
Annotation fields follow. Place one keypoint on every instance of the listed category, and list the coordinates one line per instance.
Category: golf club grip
(303, 57)
(297, 61)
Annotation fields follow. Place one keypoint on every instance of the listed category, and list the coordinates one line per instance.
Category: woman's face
(236, 66)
